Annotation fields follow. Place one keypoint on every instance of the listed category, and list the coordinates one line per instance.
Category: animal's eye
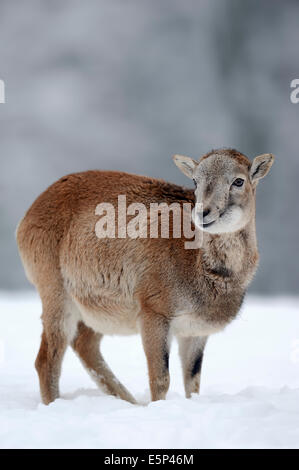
(238, 182)
(194, 181)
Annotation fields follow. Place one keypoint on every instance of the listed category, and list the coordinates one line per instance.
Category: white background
(249, 399)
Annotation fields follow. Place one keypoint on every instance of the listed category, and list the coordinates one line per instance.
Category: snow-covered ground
(249, 397)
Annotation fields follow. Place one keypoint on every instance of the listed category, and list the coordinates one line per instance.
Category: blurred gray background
(114, 84)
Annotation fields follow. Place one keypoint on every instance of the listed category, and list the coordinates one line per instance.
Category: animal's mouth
(199, 222)
(208, 224)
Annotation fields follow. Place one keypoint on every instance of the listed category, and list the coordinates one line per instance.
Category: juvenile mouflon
(90, 287)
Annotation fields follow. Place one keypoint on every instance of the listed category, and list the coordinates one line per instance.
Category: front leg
(191, 351)
(156, 341)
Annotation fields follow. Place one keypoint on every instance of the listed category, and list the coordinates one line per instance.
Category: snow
(249, 396)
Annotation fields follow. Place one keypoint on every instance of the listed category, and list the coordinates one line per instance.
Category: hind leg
(48, 366)
(86, 345)
(53, 345)
(156, 343)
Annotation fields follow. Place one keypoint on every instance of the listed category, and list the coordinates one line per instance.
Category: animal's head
(225, 182)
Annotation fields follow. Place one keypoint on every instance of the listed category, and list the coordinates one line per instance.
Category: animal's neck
(232, 256)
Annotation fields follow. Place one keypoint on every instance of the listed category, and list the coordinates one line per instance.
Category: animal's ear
(185, 164)
(260, 166)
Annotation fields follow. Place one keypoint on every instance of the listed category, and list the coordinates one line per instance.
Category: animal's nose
(205, 212)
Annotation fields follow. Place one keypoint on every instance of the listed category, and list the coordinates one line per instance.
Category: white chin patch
(230, 221)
